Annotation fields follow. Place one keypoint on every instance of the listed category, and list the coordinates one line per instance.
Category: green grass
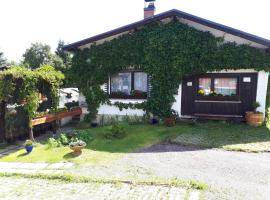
(190, 184)
(100, 150)
(238, 137)
(234, 137)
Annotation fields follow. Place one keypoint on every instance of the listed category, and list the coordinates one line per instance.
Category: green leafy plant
(53, 143)
(115, 131)
(85, 136)
(77, 143)
(28, 143)
(167, 53)
(255, 106)
(63, 139)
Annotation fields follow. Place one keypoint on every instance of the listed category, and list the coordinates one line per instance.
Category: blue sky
(27, 21)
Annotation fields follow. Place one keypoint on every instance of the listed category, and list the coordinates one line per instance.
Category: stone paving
(31, 168)
(22, 188)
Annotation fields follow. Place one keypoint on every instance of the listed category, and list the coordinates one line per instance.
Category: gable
(218, 30)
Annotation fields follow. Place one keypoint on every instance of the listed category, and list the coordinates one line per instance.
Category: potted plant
(28, 146)
(255, 118)
(77, 146)
(154, 119)
(169, 120)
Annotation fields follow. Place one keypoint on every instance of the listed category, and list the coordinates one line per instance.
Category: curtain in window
(121, 82)
(205, 85)
(140, 81)
(225, 86)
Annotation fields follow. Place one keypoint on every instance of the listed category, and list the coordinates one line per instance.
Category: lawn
(228, 136)
(100, 150)
(239, 137)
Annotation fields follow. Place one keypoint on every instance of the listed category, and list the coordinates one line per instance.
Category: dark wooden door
(193, 104)
(188, 96)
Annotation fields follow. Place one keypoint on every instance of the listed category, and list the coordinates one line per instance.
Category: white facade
(262, 84)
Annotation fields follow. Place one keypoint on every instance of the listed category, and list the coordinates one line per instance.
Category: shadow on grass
(23, 154)
(71, 155)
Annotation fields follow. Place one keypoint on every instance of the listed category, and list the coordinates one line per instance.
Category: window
(205, 86)
(215, 86)
(129, 85)
(121, 82)
(225, 86)
(140, 81)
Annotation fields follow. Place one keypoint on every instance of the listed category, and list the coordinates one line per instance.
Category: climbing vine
(22, 87)
(167, 53)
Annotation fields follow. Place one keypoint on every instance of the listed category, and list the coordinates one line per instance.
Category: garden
(107, 143)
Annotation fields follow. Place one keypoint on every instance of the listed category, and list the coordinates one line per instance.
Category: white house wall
(262, 90)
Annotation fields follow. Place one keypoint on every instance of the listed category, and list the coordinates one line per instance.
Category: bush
(63, 139)
(53, 143)
(115, 131)
(85, 136)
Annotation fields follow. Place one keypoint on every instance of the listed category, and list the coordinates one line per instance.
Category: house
(235, 90)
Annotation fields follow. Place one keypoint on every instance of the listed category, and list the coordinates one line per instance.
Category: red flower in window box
(138, 93)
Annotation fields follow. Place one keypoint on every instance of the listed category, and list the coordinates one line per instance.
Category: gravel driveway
(231, 175)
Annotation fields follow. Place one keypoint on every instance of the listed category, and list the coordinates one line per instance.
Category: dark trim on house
(168, 14)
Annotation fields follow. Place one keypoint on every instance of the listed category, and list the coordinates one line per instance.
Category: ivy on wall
(167, 52)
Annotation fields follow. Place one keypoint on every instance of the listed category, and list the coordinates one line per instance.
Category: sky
(47, 21)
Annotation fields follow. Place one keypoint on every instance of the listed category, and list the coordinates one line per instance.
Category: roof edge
(170, 13)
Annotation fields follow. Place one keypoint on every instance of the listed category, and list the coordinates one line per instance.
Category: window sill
(218, 98)
(127, 97)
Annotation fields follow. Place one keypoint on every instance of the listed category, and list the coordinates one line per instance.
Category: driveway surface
(231, 175)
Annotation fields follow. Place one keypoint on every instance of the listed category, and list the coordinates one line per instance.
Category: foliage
(21, 86)
(167, 53)
(116, 131)
(79, 143)
(256, 105)
(53, 143)
(40, 54)
(28, 143)
(2, 60)
(63, 139)
(85, 136)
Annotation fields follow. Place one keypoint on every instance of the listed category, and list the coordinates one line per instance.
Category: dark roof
(170, 13)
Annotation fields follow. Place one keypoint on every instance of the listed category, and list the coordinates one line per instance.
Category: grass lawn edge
(190, 184)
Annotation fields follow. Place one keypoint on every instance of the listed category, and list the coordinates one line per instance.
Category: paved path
(31, 189)
(32, 168)
(237, 175)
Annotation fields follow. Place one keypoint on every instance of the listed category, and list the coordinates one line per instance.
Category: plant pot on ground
(255, 118)
(94, 123)
(154, 120)
(28, 146)
(77, 147)
(169, 121)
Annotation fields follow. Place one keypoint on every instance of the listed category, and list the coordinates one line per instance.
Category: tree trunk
(31, 134)
(2, 120)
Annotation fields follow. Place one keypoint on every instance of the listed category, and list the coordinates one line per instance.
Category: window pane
(121, 82)
(140, 81)
(205, 85)
(226, 86)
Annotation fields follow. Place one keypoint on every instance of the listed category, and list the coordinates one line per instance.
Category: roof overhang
(264, 43)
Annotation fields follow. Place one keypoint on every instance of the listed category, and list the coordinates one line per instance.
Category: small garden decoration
(77, 146)
(255, 118)
(28, 146)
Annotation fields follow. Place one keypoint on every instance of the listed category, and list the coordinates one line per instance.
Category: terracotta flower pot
(169, 121)
(77, 150)
(255, 119)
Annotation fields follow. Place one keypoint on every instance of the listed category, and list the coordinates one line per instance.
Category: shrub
(28, 143)
(115, 131)
(77, 143)
(63, 139)
(53, 143)
(85, 136)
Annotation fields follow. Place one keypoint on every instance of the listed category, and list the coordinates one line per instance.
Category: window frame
(112, 96)
(218, 98)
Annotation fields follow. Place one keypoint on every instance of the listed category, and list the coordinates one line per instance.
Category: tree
(66, 56)
(2, 60)
(40, 54)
